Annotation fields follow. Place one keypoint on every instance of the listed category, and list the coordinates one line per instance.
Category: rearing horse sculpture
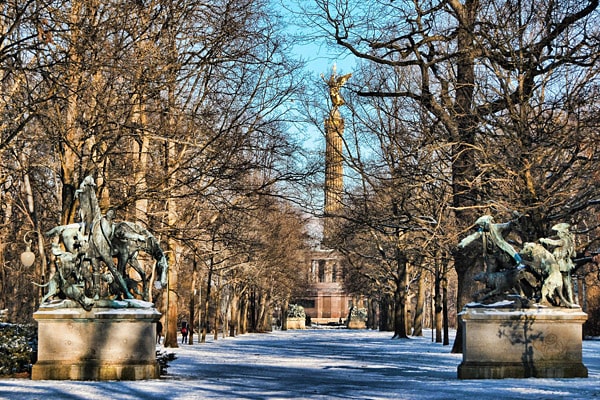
(128, 239)
(99, 230)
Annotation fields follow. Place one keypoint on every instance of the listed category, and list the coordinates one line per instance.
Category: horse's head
(88, 182)
(162, 268)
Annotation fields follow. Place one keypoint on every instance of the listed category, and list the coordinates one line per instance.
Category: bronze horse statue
(98, 229)
(95, 239)
(128, 239)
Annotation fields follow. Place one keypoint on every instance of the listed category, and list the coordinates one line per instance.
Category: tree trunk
(463, 166)
(400, 296)
(235, 313)
(371, 314)
(244, 314)
(206, 300)
(173, 272)
(217, 315)
(192, 304)
(445, 303)
(437, 303)
(399, 310)
(261, 311)
(465, 270)
(284, 314)
(386, 321)
(252, 310)
(39, 266)
(420, 306)
(171, 298)
(225, 309)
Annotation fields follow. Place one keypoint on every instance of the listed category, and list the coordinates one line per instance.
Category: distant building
(325, 300)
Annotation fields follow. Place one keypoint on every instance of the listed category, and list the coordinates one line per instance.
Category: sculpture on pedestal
(533, 274)
(335, 83)
(84, 256)
(101, 330)
(563, 252)
(524, 323)
(334, 159)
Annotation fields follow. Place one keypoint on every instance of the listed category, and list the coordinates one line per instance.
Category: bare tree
(474, 65)
(172, 107)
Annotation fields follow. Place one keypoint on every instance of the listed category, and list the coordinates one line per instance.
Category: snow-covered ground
(316, 364)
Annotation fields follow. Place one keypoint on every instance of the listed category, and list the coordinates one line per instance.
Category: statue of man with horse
(94, 243)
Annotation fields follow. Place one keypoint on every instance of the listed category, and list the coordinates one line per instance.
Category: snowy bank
(317, 364)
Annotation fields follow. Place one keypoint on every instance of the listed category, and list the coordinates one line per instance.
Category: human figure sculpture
(497, 252)
(100, 230)
(85, 260)
(66, 279)
(534, 273)
(128, 240)
(545, 264)
(335, 83)
(563, 252)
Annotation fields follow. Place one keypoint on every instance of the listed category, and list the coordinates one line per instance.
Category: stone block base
(89, 370)
(295, 323)
(525, 343)
(501, 370)
(357, 324)
(101, 344)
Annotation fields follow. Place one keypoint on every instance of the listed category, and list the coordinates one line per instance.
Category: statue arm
(504, 226)
(551, 242)
(469, 239)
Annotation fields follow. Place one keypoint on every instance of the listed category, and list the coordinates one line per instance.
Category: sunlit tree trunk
(284, 314)
(75, 153)
(235, 312)
(217, 314)
(172, 221)
(170, 296)
(244, 313)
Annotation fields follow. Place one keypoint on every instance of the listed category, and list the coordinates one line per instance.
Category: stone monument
(525, 322)
(334, 159)
(90, 325)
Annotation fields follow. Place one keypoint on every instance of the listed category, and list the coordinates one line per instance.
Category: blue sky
(319, 57)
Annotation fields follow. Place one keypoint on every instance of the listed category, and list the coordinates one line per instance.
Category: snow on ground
(316, 364)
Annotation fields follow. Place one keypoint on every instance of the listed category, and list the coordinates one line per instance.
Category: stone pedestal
(522, 343)
(102, 344)
(296, 323)
(357, 324)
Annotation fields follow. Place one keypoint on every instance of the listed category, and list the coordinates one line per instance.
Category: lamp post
(167, 305)
(28, 256)
(28, 259)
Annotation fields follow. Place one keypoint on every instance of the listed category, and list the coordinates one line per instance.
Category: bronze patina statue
(533, 274)
(84, 252)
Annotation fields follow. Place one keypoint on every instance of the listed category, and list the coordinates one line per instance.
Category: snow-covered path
(316, 364)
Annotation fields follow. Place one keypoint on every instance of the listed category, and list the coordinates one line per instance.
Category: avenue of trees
(459, 109)
(178, 110)
(183, 112)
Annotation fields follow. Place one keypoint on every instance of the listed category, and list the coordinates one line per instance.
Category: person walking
(184, 333)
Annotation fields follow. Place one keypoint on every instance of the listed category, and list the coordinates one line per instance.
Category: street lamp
(28, 256)
(167, 307)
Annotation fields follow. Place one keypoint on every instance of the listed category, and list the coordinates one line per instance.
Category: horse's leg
(138, 268)
(122, 264)
(95, 282)
(119, 278)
